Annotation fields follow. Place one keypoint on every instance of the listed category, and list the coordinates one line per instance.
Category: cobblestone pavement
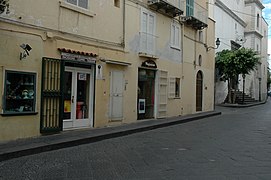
(235, 145)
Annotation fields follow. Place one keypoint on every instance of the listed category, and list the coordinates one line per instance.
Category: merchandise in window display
(20, 96)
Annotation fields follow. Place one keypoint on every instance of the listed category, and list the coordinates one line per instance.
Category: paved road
(235, 145)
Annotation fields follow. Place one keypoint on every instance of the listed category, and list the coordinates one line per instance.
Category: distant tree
(231, 63)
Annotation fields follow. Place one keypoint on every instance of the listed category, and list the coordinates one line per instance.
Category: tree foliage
(231, 63)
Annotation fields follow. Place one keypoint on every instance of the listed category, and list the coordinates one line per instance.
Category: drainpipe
(123, 25)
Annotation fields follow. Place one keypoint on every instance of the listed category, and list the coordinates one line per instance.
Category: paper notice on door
(82, 76)
(67, 106)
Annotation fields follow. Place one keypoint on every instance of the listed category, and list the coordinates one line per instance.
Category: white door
(78, 98)
(116, 95)
(162, 94)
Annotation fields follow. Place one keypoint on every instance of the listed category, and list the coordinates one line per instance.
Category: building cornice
(258, 2)
(218, 3)
(255, 33)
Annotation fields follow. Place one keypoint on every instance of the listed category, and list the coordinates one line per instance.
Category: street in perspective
(233, 145)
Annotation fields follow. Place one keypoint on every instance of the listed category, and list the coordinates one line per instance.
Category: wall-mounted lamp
(4, 4)
(217, 43)
(25, 53)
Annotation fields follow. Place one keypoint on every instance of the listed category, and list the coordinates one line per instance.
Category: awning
(109, 61)
(77, 52)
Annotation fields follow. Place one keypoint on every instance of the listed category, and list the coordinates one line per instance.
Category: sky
(267, 15)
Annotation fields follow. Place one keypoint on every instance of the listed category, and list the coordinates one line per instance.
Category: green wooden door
(51, 95)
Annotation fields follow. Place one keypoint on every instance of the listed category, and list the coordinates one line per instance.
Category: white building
(239, 23)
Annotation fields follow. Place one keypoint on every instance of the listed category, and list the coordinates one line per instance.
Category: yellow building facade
(69, 65)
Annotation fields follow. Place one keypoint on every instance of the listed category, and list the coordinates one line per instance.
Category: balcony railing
(147, 45)
(196, 16)
(166, 8)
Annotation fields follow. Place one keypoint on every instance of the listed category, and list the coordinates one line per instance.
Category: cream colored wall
(59, 27)
(14, 127)
(192, 49)
(168, 59)
(63, 17)
(209, 68)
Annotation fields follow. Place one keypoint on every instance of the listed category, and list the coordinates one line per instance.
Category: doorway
(116, 95)
(78, 98)
(146, 95)
(199, 86)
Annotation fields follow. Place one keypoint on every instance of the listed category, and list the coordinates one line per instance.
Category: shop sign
(77, 57)
(149, 64)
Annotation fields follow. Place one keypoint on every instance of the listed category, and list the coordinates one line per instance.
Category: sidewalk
(65, 139)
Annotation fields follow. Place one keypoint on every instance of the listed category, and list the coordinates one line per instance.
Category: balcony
(147, 45)
(196, 16)
(166, 8)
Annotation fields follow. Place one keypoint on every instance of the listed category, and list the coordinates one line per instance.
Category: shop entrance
(199, 87)
(78, 98)
(146, 95)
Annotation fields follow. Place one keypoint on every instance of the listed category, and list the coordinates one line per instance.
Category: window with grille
(79, 3)
(189, 7)
(174, 87)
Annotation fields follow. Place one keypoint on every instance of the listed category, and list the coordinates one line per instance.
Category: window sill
(65, 5)
(142, 54)
(176, 48)
(174, 98)
(19, 114)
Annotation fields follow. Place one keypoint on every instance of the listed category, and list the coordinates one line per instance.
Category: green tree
(231, 63)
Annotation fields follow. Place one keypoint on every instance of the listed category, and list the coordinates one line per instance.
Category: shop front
(68, 91)
(146, 90)
(78, 97)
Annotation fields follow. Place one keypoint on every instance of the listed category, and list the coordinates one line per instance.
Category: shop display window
(20, 92)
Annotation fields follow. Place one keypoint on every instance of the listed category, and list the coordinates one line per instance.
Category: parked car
(269, 93)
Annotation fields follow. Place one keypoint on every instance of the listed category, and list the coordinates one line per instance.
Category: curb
(94, 135)
(241, 105)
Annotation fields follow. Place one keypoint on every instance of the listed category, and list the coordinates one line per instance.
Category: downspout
(123, 25)
(195, 72)
(182, 56)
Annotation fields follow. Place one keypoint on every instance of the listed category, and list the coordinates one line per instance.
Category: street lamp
(217, 43)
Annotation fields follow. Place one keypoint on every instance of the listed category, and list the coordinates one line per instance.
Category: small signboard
(82, 76)
(141, 106)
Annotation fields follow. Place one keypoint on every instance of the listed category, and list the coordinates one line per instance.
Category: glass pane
(74, 2)
(19, 92)
(67, 95)
(82, 108)
(83, 4)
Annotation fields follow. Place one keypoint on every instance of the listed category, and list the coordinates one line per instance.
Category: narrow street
(235, 145)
